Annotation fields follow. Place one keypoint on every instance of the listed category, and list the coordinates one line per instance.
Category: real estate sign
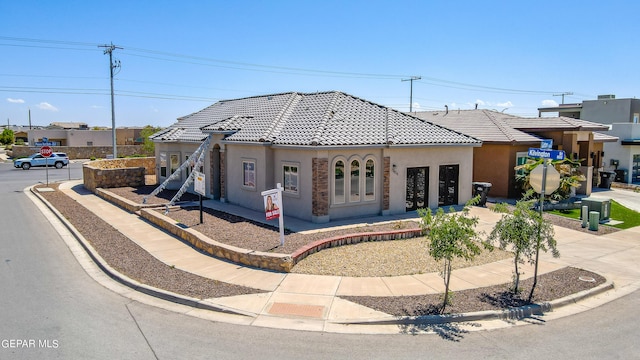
(273, 207)
(199, 183)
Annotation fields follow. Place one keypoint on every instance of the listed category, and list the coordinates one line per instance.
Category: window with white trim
(174, 162)
(521, 159)
(338, 182)
(249, 173)
(350, 184)
(163, 164)
(354, 181)
(290, 178)
(369, 181)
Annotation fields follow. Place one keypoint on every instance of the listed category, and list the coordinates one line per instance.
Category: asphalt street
(48, 297)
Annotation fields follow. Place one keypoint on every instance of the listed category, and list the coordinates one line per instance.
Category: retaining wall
(117, 172)
(258, 259)
(78, 152)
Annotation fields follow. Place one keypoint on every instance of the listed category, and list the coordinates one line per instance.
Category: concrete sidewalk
(311, 302)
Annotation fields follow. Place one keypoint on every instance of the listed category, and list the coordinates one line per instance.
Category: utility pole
(411, 91)
(108, 49)
(563, 94)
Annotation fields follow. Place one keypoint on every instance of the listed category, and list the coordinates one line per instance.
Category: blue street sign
(546, 154)
(43, 143)
(546, 144)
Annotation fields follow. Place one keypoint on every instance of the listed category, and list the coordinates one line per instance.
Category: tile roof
(604, 137)
(310, 119)
(486, 125)
(497, 127)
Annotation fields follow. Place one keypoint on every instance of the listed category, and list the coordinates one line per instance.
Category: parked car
(57, 159)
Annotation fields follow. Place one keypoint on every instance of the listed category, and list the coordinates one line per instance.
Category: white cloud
(47, 106)
(507, 104)
(15, 101)
(480, 102)
(97, 106)
(549, 103)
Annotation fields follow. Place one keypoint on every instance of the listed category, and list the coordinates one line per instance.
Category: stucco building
(623, 118)
(336, 155)
(506, 140)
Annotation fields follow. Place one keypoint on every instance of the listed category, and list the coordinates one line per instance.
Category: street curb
(506, 315)
(131, 283)
(518, 313)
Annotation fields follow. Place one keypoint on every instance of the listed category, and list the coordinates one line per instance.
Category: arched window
(354, 180)
(338, 182)
(354, 193)
(370, 181)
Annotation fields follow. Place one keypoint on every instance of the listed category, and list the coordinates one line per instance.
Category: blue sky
(179, 57)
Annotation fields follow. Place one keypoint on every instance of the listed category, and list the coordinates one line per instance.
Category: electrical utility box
(600, 205)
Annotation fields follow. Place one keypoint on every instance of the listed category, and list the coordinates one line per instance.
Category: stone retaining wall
(118, 200)
(117, 172)
(262, 260)
(78, 152)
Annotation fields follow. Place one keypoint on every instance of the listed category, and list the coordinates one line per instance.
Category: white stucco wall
(622, 153)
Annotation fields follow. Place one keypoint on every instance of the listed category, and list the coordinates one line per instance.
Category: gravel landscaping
(385, 258)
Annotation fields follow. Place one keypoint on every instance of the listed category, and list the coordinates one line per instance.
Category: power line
(204, 61)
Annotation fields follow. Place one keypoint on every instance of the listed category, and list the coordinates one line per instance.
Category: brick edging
(349, 239)
(258, 259)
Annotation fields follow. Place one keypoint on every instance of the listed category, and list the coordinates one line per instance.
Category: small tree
(6, 138)
(451, 236)
(148, 146)
(522, 230)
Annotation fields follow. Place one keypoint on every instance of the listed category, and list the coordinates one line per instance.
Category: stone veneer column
(386, 182)
(320, 190)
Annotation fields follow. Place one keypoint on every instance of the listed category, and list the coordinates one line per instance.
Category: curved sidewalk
(313, 302)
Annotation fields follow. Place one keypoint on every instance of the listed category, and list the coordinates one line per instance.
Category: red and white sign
(272, 205)
(46, 151)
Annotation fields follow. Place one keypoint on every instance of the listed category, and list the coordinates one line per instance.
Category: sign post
(546, 156)
(46, 151)
(273, 207)
(199, 187)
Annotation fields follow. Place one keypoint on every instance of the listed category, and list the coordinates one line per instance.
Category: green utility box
(600, 205)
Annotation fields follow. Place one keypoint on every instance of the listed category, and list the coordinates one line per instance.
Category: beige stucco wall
(431, 157)
(182, 150)
(270, 160)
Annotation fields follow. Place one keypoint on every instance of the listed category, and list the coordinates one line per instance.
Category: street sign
(44, 143)
(46, 151)
(552, 181)
(546, 144)
(546, 154)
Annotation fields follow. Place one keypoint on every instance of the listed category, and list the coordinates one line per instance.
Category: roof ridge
(328, 115)
(500, 125)
(283, 115)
